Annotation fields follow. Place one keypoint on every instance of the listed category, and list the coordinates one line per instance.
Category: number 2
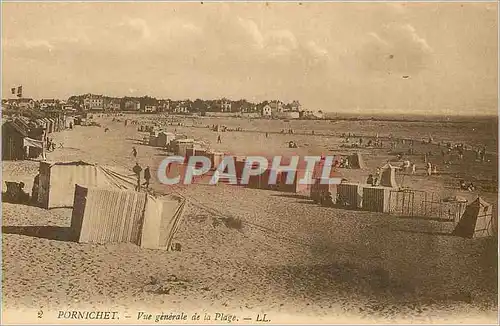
(40, 314)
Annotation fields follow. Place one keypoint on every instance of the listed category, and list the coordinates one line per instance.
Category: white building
(48, 104)
(267, 111)
(93, 102)
(181, 108)
(150, 108)
(225, 106)
(295, 106)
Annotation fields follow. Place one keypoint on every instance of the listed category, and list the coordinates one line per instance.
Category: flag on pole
(13, 90)
(20, 91)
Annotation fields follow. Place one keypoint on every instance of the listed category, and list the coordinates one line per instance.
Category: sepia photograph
(255, 162)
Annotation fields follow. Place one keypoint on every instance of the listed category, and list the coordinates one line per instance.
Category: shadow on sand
(329, 279)
(26, 201)
(448, 234)
(434, 219)
(310, 202)
(291, 196)
(58, 233)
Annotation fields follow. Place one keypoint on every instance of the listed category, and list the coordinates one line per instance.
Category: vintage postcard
(249, 163)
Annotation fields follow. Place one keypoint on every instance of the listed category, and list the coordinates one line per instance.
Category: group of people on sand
(460, 149)
(411, 167)
(342, 163)
(137, 169)
(481, 154)
(360, 142)
(468, 187)
(50, 145)
(374, 180)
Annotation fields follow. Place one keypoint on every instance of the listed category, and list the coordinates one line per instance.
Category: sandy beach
(291, 257)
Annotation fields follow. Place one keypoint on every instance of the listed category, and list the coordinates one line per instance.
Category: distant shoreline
(429, 119)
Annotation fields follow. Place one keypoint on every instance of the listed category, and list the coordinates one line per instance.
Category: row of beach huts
(24, 138)
(386, 197)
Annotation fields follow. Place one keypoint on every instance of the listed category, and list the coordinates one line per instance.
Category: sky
(421, 58)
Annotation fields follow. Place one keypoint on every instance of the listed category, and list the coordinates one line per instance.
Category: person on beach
(370, 180)
(147, 177)
(134, 152)
(219, 140)
(23, 197)
(413, 168)
(137, 170)
(429, 168)
(406, 165)
(34, 189)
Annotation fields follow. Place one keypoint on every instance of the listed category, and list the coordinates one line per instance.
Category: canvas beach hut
(388, 176)
(107, 215)
(477, 221)
(356, 161)
(56, 180)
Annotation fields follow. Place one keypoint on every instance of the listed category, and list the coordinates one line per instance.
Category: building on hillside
(68, 107)
(22, 103)
(295, 106)
(131, 105)
(266, 111)
(115, 105)
(148, 104)
(112, 104)
(163, 106)
(308, 114)
(222, 105)
(150, 108)
(47, 104)
(247, 108)
(93, 102)
(182, 107)
(271, 109)
(225, 105)
(276, 106)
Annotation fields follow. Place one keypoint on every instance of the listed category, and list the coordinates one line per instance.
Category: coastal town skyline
(420, 59)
